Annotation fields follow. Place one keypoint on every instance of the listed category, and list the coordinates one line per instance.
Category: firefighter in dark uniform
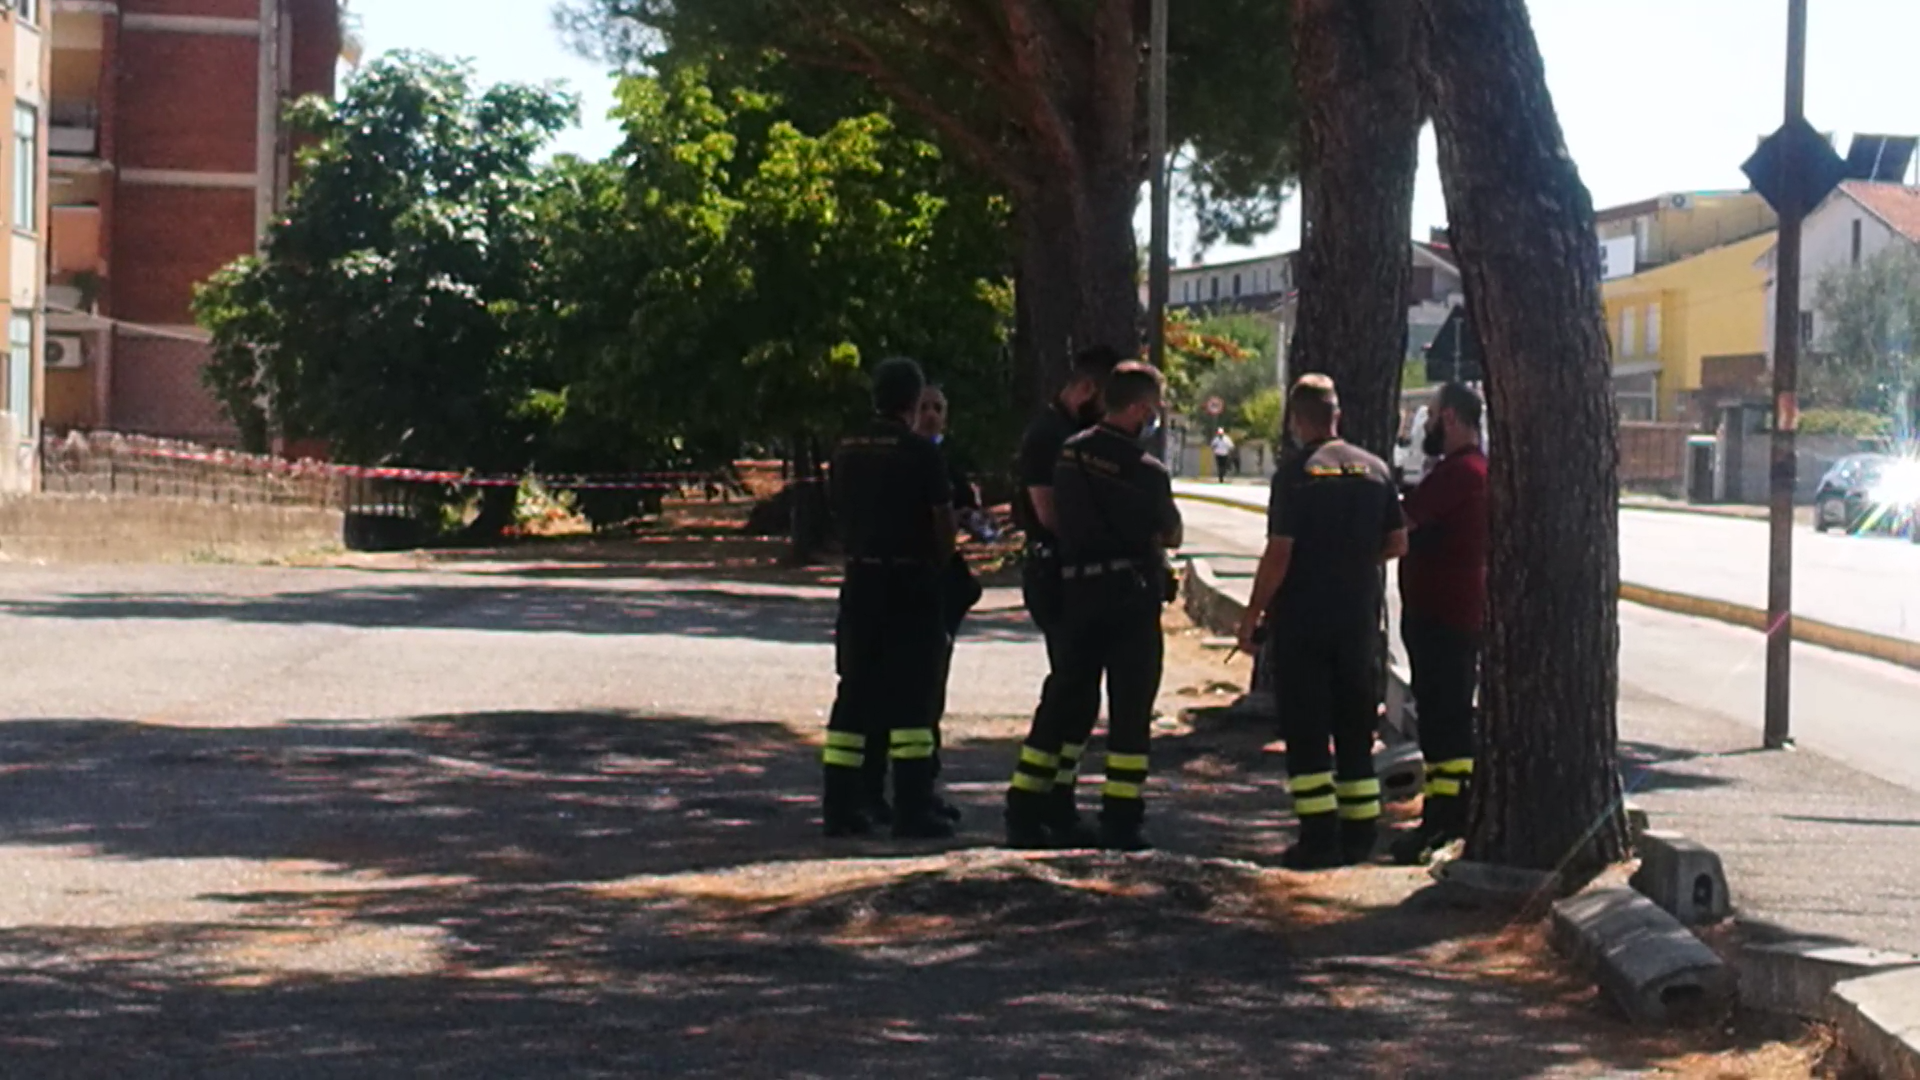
(1074, 409)
(1115, 518)
(895, 509)
(1334, 518)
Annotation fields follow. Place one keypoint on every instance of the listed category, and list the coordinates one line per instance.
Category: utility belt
(1100, 569)
(898, 561)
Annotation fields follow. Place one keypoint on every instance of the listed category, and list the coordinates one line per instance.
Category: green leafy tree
(382, 315)
(1869, 354)
(1042, 100)
(723, 280)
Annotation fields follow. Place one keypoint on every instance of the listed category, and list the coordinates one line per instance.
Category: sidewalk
(1812, 848)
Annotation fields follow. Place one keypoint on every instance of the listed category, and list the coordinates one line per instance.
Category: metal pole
(1786, 409)
(1157, 267)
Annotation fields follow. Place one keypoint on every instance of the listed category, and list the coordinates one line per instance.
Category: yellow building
(1674, 325)
(24, 50)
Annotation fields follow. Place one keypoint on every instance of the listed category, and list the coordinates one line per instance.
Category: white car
(1410, 461)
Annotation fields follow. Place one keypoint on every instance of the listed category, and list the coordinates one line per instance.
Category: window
(1629, 339)
(1856, 241)
(20, 370)
(1806, 330)
(1216, 288)
(27, 10)
(1653, 329)
(1236, 284)
(26, 167)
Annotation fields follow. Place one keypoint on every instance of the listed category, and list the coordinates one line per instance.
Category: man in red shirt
(1443, 613)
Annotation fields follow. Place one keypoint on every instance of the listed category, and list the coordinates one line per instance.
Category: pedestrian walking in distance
(894, 504)
(1074, 409)
(1332, 520)
(1222, 454)
(1443, 612)
(1115, 519)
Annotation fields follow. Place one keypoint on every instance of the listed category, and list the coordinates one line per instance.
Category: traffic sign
(1795, 169)
(1215, 406)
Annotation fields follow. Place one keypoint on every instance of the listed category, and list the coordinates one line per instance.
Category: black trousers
(1327, 683)
(959, 592)
(1446, 673)
(889, 646)
(1109, 633)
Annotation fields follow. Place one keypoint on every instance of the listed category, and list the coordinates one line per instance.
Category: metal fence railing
(106, 463)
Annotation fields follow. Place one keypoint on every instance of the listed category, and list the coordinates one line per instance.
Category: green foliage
(1227, 356)
(730, 272)
(1869, 352)
(1260, 415)
(1858, 423)
(381, 315)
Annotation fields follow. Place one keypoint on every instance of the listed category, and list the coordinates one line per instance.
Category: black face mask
(1435, 442)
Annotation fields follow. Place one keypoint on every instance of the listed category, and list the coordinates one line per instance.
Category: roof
(1660, 202)
(1895, 204)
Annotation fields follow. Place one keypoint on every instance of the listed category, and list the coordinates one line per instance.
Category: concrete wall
(81, 528)
(1817, 454)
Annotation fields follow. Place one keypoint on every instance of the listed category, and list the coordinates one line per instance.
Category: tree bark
(1077, 285)
(1548, 793)
(1361, 137)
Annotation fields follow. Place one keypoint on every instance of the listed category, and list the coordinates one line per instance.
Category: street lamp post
(1157, 266)
(1786, 407)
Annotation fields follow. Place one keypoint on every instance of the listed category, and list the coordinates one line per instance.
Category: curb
(1897, 651)
(1870, 996)
(1807, 631)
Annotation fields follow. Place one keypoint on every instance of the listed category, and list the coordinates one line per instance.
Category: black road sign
(1795, 169)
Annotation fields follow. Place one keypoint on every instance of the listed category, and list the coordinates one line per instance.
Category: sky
(1655, 96)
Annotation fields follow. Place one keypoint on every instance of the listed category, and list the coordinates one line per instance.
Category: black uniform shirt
(886, 483)
(1039, 452)
(1112, 498)
(1336, 503)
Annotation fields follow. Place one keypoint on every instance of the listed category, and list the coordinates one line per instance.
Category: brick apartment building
(23, 204)
(168, 159)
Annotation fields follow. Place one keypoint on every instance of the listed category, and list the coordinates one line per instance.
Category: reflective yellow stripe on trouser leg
(1035, 771)
(909, 744)
(845, 749)
(1313, 795)
(1359, 799)
(1448, 778)
(1126, 776)
(1068, 774)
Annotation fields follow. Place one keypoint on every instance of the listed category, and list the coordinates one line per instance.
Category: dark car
(1869, 493)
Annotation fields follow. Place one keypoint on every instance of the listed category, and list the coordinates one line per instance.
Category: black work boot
(915, 816)
(1027, 820)
(1318, 847)
(1065, 826)
(1120, 825)
(843, 806)
(1443, 819)
(1358, 840)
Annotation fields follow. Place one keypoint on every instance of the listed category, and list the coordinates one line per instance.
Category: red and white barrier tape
(653, 481)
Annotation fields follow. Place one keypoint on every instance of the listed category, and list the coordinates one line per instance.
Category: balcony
(73, 130)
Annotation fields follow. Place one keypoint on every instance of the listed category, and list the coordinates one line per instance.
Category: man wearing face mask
(1443, 594)
(1074, 409)
(1115, 517)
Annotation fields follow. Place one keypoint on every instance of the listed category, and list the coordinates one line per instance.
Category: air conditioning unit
(65, 352)
(1680, 202)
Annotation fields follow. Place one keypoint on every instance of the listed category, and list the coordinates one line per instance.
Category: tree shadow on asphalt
(1647, 766)
(660, 608)
(586, 894)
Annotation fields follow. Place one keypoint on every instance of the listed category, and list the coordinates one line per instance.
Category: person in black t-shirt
(1334, 518)
(1114, 518)
(894, 504)
(1074, 409)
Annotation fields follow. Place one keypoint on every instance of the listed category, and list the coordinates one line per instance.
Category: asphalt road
(1869, 583)
(1863, 713)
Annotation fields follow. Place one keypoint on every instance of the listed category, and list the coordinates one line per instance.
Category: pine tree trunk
(1549, 791)
(1077, 276)
(1361, 152)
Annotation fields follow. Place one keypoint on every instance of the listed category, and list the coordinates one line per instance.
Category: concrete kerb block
(1402, 772)
(1879, 1022)
(1642, 958)
(1637, 821)
(1683, 876)
(1797, 978)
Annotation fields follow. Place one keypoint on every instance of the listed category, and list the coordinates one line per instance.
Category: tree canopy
(1868, 356)
(1044, 101)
